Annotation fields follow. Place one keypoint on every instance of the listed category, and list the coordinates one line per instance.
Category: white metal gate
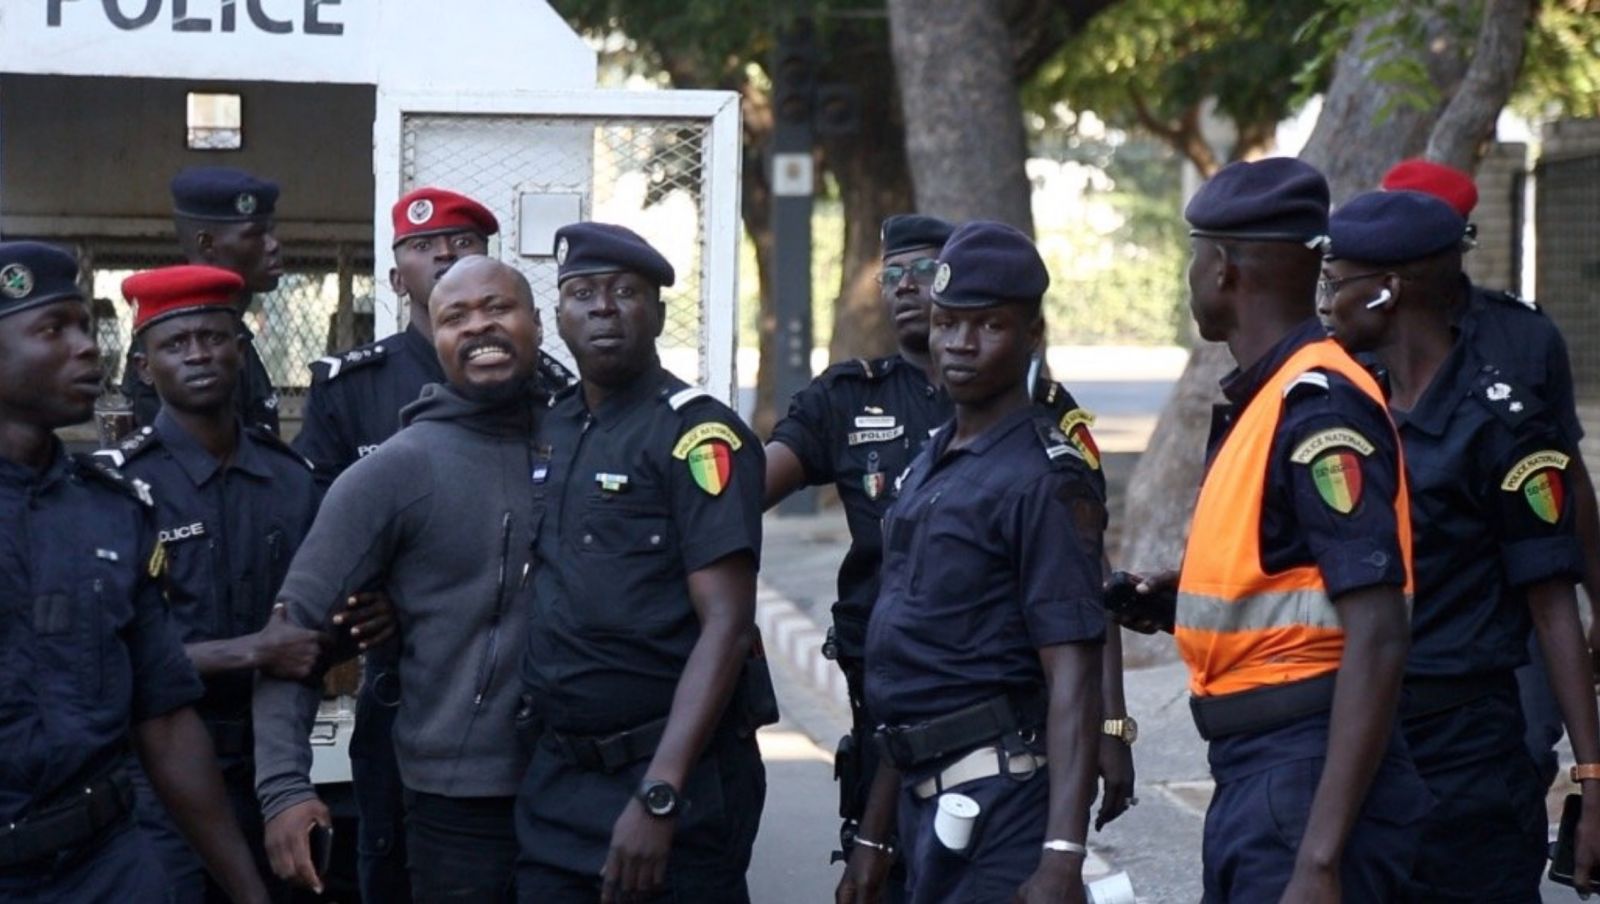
(663, 163)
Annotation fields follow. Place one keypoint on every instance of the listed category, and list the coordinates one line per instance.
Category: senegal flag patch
(1538, 478)
(708, 451)
(1337, 476)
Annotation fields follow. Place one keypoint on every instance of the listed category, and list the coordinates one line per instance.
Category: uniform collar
(201, 465)
(422, 349)
(620, 402)
(989, 438)
(1444, 394)
(22, 477)
(1240, 386)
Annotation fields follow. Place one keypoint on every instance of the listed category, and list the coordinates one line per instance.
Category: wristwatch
(659, 798)
(1124, 729)
(1583, 772)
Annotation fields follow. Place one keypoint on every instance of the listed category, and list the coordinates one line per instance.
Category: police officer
(1495, 544)
(353, 406)
(225, 218)
(233, 503)
(983, 649)
(857, 426)
(646, 778)
(87, 659)
(1291, 605)
(1527, 347)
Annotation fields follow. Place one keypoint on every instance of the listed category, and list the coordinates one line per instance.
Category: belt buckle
(609, 748)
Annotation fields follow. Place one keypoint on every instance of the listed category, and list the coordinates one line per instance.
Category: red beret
(435, 211)
(1446, 183)
(185, 289)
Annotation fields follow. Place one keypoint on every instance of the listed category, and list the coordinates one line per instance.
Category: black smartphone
(1562, 851)
(1124, 601)
(321, 848)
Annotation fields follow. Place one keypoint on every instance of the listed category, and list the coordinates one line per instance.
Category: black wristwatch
(659, 798)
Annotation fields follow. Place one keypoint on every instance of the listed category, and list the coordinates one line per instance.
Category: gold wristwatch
(1124, 729)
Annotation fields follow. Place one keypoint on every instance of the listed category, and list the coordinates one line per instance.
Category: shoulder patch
(1074, 425)
(707, 449)
(335, 366)
(1056, 444)
(109, 476)
(1532, 464)
(1335, 438)
(1509, 401)
(277, 443)
(700, 433)
(684, 396)
(1538, 477)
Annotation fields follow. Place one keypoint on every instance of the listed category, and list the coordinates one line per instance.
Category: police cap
(987, 264)
(158, 295)
(222, 194)
(1393, 227)
(1446, 183)
(437, 211)
(909, 231)
(586, 249)
(1279, 199)
(33, 274)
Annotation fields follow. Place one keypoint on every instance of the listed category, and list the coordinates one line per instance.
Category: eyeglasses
(1327, 286)
(922, 270)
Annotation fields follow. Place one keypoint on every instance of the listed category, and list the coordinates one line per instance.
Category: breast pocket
(80, 636)
(625, 549)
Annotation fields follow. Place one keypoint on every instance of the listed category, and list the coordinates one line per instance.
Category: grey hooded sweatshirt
(440, 518)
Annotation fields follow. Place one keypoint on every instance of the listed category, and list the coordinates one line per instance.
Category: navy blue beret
(222, 194)
(986, 264)
(907, 231)
(585, 249)
(1393, 227)
(1279, 199)
(33, 273)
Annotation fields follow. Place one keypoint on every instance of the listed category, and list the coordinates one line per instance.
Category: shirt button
(655, 539)
(588, 538)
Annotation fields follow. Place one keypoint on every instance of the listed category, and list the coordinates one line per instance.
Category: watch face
(660, 799)
(1130, 730)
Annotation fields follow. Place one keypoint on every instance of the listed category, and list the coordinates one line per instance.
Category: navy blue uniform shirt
(86, 649)
(355, 398)
(1527, 347)
(629, 499)
(985, 562)
(229, 532)
(1301, 522)
(254, 398)
(1490, 512)
(857, 426)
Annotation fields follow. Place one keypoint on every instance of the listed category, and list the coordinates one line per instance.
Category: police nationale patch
(1538, 477)
(1337, 476)
(1075, 424)
(1336, 438)
(245, 204)
(420, 211)
(701, 433)
(16, 281)
(711, 466)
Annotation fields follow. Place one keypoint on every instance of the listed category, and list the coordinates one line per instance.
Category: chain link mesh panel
(646, 174)
(1568, 276)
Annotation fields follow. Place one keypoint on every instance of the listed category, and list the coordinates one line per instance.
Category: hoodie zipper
(486, 666)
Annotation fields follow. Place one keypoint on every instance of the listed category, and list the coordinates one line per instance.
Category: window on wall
(216, 122)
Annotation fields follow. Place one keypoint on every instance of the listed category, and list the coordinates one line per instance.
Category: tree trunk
(1353, 148)
(968, 151)
(870, 167)
(1468, 120)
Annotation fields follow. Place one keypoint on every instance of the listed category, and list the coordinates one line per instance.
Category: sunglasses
(1327, 285)
(922, 270)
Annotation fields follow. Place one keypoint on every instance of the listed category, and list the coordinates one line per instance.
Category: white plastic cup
(1116, 888)
(952, 824)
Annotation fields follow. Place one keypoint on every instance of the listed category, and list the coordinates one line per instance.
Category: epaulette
(553, 375)
(274, 441)
(1056, 445)
(1511, 298)
(859, 369)
(1310, 384)
(1509, 402)
(134, 444)
(324, 369)
(676, 400)
(109, 476)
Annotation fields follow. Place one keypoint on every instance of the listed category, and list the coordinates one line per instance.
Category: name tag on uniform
(185, 532)
(110, 555)
(874, 436)
(611, 483)
(364, 451)
(875, 422)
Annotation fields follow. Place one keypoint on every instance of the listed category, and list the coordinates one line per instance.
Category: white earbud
(1384, 298)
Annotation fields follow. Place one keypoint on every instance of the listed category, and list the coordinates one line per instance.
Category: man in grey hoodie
(440, 516)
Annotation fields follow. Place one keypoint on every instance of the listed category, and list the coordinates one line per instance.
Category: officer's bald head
(474, 274)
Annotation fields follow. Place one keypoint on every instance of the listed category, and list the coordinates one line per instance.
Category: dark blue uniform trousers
(1002, 853)
(1265, 785)
(565, 816)
(380, 802)
(1486, 839)
(116, 868)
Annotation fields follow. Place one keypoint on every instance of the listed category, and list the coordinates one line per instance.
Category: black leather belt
(910, 746)
(608, 753)
(1261, 709)
(67, 823)
(1426, 696)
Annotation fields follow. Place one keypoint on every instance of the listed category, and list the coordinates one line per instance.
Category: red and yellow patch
(1075, 426)
(1337, 476)
(711, 466)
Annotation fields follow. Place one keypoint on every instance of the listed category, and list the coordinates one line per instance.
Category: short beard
(513, 390)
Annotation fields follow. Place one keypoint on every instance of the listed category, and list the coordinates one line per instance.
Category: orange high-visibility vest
(1239, 628)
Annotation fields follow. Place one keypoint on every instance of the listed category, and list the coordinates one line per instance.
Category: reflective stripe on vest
(1239, 628)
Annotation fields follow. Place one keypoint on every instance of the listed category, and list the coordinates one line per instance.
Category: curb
(789, 633)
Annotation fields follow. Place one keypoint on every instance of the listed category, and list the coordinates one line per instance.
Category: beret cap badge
(420, 211)
(245, 204)
(16, 281)
(941, 280)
